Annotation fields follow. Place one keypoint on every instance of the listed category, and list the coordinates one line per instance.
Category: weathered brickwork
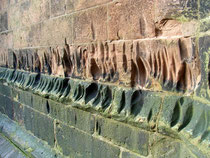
(55, 102)
(108, 78)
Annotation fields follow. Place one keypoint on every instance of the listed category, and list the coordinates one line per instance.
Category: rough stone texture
(57, 7)
(40, 125)
(26, 13)
(68, 65)
(129, 155)
(151, 64)
(90, 25)
(131, 19)
(131, 138)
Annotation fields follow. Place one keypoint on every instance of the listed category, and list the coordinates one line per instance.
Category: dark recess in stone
(91, 92)
(122, 102)
(48, 107)
(187, 117)
(176, 114)
(136, 102)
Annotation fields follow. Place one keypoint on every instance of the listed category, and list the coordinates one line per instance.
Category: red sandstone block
(48, 33)
(69, 6)
(131, 19)
(34, 35)
(57, 7)
(169, 28)
(90, 25)
(14, 16)
(167, 9)
(74, 5)
(20, 36)
(3, 4)
(55, 31)
(28, 12)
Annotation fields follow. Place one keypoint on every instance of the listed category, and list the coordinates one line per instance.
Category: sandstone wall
(71, 65)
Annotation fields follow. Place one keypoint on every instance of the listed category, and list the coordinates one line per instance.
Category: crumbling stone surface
(71, 64)
(142, 64)
(173, 115)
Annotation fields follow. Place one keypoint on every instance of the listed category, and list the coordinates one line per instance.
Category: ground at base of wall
(15, 142)
(9, 150)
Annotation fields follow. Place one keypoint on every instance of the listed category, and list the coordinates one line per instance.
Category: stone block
(40, 125)
(204, 48)
(79, 144)
(90, 25)
(5, 90)
(127, 154)
(25, 98)
(104, 149)
(55, 31)
(57, 111)
(28, 12)
(123, 135)
(4, 5)
(20, 37)
(170, 149)
(18, 112)
(39, 103)
(34, 35)
(3, 21)
(83, 4)
(57, 7)
(80, 119)
(73, 142)
(77, 118)
(131, 19)
(70, 6)
(2, 104)
(180, 9)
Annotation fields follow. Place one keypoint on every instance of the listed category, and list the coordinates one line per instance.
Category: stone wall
(108, 78)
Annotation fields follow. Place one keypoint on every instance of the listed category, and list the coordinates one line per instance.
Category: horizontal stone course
(40, 125)
(129, 155)
(83, 145)
(28, 12)
(98, 78)
(124, 135)
(57, 7)
(131, 19)
(90, 25)
(93, 128)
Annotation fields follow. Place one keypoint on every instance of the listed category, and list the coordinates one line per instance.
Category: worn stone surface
(151, 64)
(131, 19)
(40, 125)
(121, 78)
(130, 155)
(90, 25)
(175, 116)
(28, 144)
(3, 22)
(57, 7)
(26, 13)
(129, 137)
(81, 144)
